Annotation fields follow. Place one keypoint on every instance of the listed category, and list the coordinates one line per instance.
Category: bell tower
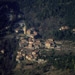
(24, 29)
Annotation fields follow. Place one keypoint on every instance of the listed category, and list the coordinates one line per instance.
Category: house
(16, 30)
(30, 40)
(41, 61)
(47, 44)
(51, 39)
(38, 41)
(29, 57)
(31, 36)
(32, 32)
(50, 44)
(58, 48)
(35, 57)
(35, 54)
(21, 37)
(63, 28)
(28, 32)
(23, 54)
(2, 51)
(20, 27)
(30, 46)
(36, 46)
(23, 41)
(73, 30)
(19, 52)
(22, 44)
(33, 39)
(32, 28)
(18, 58)
(58, 42)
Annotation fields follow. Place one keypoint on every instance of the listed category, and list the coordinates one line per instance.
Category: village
(30, 43)
(37, 37)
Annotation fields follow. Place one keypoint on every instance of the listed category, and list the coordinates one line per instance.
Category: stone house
(19, 52)
(50, 40)
(28, 32)
(18, 57)
(73, 30)
(29, 57)
(16, 30)
(30, 46)
(37, 44)
(2, 51)
(41, 61)
(30, 40)
(35, 54)
(63, 28)
(49, 44)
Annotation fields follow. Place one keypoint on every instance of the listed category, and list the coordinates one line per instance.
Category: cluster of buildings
(63, 28)
(30, 44)
(24, 54)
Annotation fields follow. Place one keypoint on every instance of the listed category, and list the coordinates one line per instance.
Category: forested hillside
(48, 15)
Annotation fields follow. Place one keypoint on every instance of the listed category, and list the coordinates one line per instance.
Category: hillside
(48, 15)
(49, 19)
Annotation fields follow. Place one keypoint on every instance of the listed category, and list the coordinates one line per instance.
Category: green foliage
(7, 60)
(64, 35)
(62, 62)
